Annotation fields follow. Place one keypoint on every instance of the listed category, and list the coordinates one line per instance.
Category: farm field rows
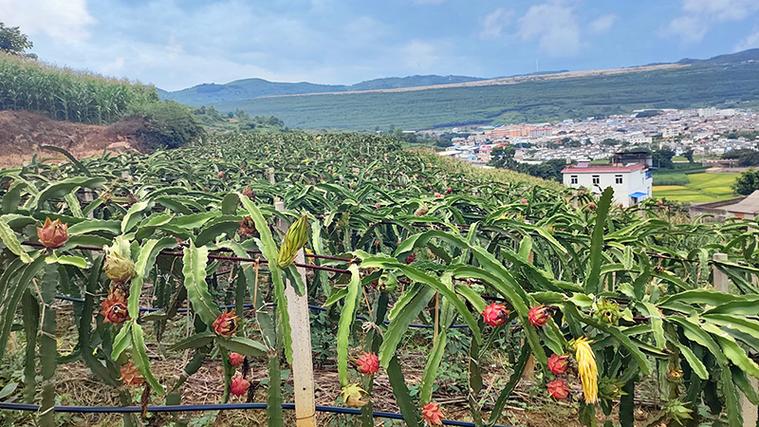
(160, 279)
(701, 188)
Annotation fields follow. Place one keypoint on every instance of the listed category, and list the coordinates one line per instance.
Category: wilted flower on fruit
(295, 239)
(368, 363)
(675, 375)
(558, 389)
(587, 369)
(239, 386)
(131, 376)
(53, 234)
(354, 396)
(591, 206)
(114, 308)
(539, 315)
(247, 227)
(432, 414)
(558, 363)
(422, 211)
(495, 314)
(118, 263)
(226, 324)
(236, 359)
(411, 258)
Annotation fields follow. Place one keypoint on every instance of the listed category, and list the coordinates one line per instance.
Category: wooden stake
(722, 283)
(300, 323)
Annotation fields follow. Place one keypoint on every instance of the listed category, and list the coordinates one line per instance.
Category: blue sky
(175, 44)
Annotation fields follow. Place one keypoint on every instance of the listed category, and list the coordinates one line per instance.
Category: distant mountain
(239, 90)
(423, 102)
(730, 58)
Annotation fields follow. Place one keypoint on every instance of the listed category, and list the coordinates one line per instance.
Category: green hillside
(722, 85)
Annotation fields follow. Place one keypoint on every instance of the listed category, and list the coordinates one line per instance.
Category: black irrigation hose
(10, 406)
(248, 306)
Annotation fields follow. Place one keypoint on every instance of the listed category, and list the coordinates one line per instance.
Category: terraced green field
(701, 188)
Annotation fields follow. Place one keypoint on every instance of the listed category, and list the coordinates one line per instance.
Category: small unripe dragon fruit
(539, 315)
(239, 386)
(432, 414)
(236, 359)
(495, 315)
(118, 263)
(558, 363)
(131, 376)
(558, 389)
(53, 234)
(226, 324)
(368, 363)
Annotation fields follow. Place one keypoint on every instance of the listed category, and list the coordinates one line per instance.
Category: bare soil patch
(22, 133)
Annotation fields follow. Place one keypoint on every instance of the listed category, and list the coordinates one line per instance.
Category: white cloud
(603, 23)
(421, 56)
(750, 42)
(66, 20)
(554, 26)
(494, 22)
(698, 16)
(721, 10)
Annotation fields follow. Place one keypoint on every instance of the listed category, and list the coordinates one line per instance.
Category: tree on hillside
(747, 183)
(13, 41)
(663, 158)
(689, 155)
(503, 157)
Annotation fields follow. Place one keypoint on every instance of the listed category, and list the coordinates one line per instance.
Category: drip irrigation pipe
(213, 256)
(29, 407)
(311, 307)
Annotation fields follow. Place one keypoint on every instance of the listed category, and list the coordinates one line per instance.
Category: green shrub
(165, 124)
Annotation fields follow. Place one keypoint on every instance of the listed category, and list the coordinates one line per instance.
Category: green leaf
(122, 341)
(344, 325)
(432, 366)
(145, 260)
(194, 271)
(131, 218)
(695, 363)
(400, 323)
(201, 339)
(59, 189)
(243, 345)
(94, 225)
(76, 261)
(401, 393)
(11, 242)
(141, 361)
(592, 280)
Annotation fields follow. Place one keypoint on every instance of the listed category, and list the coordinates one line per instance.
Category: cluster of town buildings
(705, 131)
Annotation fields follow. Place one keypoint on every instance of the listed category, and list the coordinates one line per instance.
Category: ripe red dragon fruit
(236, 359)
(449, 190)
(239, 386)
(130, 376)
(114, 308)
(248, 192)
(432, 414)
(411, 258)
(226, 324)
(495, 315)
(368, 363)
(558, 389)
(524, 201)
(558, 363)
(539, 315)
(438, 195)
(53, 234)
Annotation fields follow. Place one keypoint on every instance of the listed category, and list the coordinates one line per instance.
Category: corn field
(599, 297)
(64, 94)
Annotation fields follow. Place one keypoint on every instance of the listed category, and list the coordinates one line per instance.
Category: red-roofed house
(632, 183)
